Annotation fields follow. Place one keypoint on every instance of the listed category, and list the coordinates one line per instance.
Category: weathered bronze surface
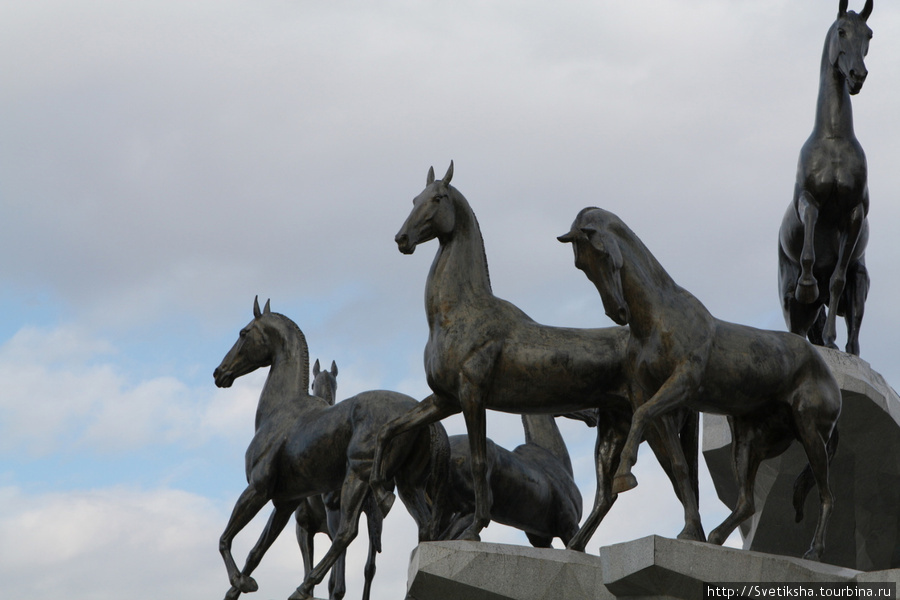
(774, 386)
(303, 447)
(823, 235)
(483, 352)
(532, 487)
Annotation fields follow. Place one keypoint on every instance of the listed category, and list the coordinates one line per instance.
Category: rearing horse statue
(823, 236)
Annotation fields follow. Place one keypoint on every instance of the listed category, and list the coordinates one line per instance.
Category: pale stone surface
(864, 531)
(482, 571)
(652, 568)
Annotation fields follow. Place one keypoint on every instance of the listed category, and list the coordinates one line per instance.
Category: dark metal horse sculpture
(823, 236)
(303, 447)
(774, 386)
(321, 514)
(532, 487)
(483, 352)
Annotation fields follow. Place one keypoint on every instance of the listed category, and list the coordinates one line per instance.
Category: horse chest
(834, 172)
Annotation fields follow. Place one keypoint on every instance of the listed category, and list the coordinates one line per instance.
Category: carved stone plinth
(864, 531)
(650, 568)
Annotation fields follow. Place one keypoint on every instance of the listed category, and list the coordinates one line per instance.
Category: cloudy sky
(162, 162)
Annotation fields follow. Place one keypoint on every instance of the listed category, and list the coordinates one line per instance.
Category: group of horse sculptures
(645, 379)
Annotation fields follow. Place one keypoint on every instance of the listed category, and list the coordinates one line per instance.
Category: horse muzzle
(224, 379)
(404, 244)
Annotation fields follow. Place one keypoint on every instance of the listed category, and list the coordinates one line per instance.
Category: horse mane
(468, 208)
(303, 345)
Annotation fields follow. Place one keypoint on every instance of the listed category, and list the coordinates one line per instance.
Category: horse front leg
(476, 427)
(248, 505)
(839, 277)
(807, 287)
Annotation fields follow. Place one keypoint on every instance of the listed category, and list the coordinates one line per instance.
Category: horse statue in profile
(304, 447)
(321, 514)
(485, 353)
(823, 235)
(773, 385)
(532, 487)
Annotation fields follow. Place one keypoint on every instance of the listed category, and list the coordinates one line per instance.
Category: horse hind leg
(352, 495)
(855, 293)
(375, 526)
(746, 459)
(817, 455)
(839, 276)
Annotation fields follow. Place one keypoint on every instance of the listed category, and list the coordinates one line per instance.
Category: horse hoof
(470, 535)
(300, 595)
(692, 534)
(623, 483)
(813, 554)
(232, 594)
(716, 537)
(244, 584)
(807, 293)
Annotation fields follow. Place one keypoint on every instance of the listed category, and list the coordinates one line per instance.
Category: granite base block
(650, 568)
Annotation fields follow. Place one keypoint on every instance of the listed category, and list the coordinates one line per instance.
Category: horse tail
(806, 480)
(437, 488)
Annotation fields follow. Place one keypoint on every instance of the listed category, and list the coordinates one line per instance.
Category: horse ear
(316, 368)
(449, 174)
(842, 8)
(256, 312)
(334, 368)
(266, 308)
(866, 11)
(430, 179)
(567, 238)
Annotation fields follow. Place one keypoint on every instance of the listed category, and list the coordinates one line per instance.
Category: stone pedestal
(864, 531)
(649, 568)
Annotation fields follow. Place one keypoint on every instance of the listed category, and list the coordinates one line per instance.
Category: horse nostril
(401, 238)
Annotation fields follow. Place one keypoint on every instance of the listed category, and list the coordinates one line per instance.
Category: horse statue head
(433, 214)
(603, 265)
(324, 383)
(847, 44)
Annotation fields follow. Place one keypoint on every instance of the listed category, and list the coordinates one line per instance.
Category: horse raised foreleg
(673, 393)
(353, 493)
(248, 505)
(431, 409)
(807, 287)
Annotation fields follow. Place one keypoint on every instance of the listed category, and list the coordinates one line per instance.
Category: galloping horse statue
(483, 352)
(532, 487)
(823, 236)
(773, 385)
(321, 514)
(303, 447)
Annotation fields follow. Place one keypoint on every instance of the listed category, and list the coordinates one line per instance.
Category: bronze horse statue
(532, 487)
(823, 235)
(303, 447)
(321, 514)
(773, 385)
(485, 353)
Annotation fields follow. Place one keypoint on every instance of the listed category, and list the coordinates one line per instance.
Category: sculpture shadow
(825, 230)
(774, 386)
(303, 447)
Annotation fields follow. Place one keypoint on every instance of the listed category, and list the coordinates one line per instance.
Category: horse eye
(842, 33)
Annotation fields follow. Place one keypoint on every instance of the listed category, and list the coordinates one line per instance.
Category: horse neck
(648, 289)
(834, 113)
(288, 377)
(459, 271)
(541, 430)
